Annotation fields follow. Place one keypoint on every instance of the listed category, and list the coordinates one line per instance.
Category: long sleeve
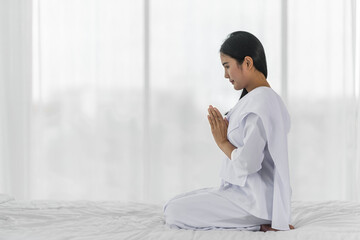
(247, 159)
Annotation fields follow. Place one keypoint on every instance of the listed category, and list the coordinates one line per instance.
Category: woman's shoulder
(263, 102)
(264, 93)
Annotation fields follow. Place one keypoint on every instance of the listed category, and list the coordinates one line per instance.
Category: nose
(226, 75)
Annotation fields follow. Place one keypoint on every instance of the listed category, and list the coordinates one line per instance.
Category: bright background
(107, 99)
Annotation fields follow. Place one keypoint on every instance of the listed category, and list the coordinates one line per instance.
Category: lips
(232, 81)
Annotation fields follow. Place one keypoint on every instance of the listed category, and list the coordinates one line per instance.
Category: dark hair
(240, 44)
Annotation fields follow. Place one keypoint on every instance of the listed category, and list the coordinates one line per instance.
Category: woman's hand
(218, 125)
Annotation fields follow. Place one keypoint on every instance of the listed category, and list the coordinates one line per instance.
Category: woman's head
(242, 56)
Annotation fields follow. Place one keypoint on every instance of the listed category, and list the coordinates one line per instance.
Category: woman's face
(233, 72)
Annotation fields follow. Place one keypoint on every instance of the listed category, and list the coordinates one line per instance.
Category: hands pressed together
(219, 126)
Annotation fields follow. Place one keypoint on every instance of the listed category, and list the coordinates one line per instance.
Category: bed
(133, 220)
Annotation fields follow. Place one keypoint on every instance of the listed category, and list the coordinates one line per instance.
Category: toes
(266, 227)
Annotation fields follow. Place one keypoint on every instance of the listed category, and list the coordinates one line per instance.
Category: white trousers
(205, 209)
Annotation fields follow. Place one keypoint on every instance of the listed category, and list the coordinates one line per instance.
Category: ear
(249, 62)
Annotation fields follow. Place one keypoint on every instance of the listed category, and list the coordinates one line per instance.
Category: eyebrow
(224, 63)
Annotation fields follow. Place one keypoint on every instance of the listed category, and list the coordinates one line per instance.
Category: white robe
(255, 185)
(266, 191)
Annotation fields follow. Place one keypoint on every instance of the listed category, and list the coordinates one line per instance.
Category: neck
(258, 80)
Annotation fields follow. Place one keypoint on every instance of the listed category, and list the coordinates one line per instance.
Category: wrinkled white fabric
(100, 220)
(206, 209)
(247, 158)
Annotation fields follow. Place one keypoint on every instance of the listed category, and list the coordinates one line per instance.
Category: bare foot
(267, 227)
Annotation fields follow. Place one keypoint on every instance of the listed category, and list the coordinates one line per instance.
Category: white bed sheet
(119, 220)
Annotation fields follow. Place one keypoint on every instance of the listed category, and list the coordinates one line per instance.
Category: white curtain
(107, 100)
(15, 96)
(323, 99)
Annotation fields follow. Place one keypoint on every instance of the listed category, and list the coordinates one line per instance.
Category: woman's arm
(219, 126)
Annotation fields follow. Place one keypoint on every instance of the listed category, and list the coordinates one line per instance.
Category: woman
(255, 192)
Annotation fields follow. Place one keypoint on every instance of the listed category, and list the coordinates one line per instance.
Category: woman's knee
(171, 209)
(174, 212)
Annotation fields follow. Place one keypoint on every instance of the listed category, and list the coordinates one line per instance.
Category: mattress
(133, 220)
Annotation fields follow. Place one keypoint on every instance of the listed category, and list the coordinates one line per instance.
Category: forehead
(225, 58)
